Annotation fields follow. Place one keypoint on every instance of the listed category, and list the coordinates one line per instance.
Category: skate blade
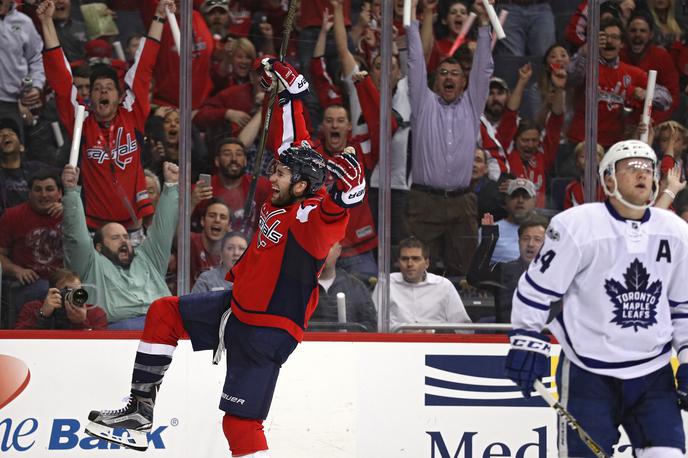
(129, 438)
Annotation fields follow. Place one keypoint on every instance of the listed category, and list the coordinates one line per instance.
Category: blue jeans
(129, 324)
(529, 30)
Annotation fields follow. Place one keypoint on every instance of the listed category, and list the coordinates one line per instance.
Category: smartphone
(204, 179)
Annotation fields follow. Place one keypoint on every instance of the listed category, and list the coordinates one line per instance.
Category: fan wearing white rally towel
(620, 269)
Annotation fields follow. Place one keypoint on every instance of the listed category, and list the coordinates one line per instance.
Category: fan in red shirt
(574, 193)
(621, 89)
(113, 181)
(31, 237)
(205, 245)
(640, 52)
(166, 91)
(62, 308)
(500, 118)
(531, 156)
(452, 15)
(672, 142)
(230, 185)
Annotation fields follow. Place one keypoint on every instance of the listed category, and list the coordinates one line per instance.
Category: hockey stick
(570, 421)
(288, 26)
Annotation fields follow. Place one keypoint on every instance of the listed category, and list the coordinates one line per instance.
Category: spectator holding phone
(231, 183)
(64, 307)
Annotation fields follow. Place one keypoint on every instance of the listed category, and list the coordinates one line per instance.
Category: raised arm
(480, 270)
(483, 65)
(427, 35)
(155, 29)
(417, 71)
(524, 74)
(45, 13)
(346, 58)
(249, 133)
(158, 245)
(79, 253)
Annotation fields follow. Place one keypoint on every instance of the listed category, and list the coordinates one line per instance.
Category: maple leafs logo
(635, 303)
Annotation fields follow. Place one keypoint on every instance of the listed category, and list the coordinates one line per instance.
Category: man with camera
(64, 307)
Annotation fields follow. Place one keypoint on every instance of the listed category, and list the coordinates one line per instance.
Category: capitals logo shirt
(276, 280)
(110, 158)
(623, 285)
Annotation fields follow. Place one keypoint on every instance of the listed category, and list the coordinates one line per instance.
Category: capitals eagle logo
(635, 303)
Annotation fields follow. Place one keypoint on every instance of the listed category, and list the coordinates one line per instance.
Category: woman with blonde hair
(671, 140)
(235, 63)
(664, 14)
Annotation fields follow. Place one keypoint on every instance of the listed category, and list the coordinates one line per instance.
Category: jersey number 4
(545, 259)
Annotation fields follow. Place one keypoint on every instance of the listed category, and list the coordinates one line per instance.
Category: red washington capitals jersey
(276, 280)
(110, 158)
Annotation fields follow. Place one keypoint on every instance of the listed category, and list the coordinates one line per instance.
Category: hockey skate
(127, 426)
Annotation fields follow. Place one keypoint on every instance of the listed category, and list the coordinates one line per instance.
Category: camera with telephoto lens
(77, 296)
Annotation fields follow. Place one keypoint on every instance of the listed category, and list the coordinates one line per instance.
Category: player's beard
(113, 256)
(284, 199)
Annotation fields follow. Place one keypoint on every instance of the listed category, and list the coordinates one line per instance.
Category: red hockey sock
(244, 435)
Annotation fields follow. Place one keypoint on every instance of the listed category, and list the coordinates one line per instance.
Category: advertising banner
(333, 400)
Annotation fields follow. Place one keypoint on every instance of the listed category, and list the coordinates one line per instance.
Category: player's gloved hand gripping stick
(290, 83)
(528, 358)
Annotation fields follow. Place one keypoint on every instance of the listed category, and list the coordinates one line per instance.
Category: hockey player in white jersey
(621, 268)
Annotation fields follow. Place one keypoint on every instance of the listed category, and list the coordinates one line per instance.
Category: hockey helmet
(306, 165)
(625, 150)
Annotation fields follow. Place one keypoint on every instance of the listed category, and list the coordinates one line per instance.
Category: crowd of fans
(487, 143)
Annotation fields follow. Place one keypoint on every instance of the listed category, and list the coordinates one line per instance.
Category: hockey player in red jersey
(110, 159)
(275, 290)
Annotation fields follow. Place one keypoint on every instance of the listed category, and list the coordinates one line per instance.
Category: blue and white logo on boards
(463, 380)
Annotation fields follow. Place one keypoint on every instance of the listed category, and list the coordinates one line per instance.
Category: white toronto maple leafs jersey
(624, 286)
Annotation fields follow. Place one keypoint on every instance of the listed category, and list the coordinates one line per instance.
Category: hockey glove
(291, 83)
(682, 386)
(528, 359)
(349, 187)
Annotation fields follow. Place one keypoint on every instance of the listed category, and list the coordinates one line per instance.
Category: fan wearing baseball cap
(519, 205)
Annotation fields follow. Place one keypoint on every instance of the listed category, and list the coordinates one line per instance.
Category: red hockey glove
(349, 187)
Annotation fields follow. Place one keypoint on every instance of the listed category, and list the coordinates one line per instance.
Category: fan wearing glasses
(442, 210)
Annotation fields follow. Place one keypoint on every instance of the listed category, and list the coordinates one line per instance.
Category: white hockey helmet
(624, 150)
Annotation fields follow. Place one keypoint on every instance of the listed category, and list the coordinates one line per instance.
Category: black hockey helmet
(306, 165)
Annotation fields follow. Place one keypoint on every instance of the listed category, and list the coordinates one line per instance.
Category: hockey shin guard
(163, 328)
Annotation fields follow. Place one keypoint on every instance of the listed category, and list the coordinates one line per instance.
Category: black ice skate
(127, 426)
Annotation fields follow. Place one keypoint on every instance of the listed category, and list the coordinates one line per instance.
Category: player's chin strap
(619, 197)
(217, 356)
